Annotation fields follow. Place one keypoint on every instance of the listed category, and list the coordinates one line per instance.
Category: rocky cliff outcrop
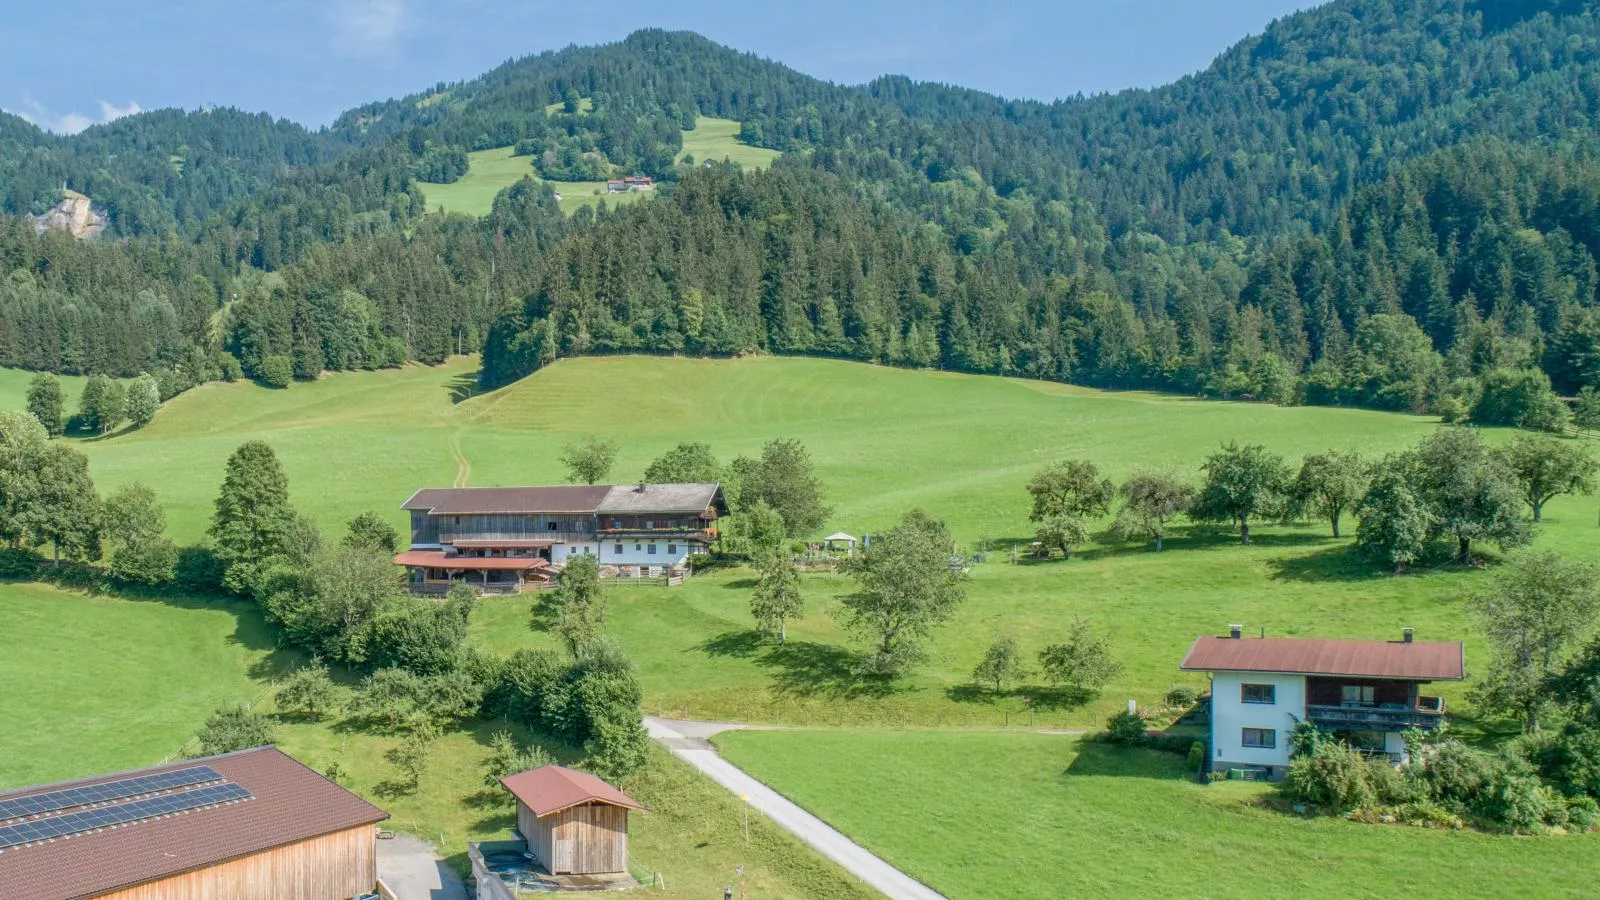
(75, 214)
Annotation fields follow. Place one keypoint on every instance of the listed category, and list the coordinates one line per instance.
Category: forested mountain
(1378, 202)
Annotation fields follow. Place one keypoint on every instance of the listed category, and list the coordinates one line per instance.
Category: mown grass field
(492, 171)
(986, 815)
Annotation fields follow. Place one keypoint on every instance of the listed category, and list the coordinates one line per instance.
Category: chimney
(1406, 635)
(1236, 631)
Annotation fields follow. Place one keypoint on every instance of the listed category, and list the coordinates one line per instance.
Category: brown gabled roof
(1444, 661)
(565, 498)
(551, 789)
(289, 803)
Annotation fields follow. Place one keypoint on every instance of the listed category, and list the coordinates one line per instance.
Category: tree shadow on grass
(464, 387)
(802, 668)
(393, 790)
(1340, 562)
(1035, 697)
(1095, 758)
(741, 584)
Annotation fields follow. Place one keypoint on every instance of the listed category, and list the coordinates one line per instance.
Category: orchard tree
(234, 727)
(372, 532)
(1470, 493)
(252, 519)
(308, 691)
(907, 586)
(1001, 664)
(1545, 466)
(589, 461)
(688, 463)
(785, 480)
(46, 403)
(1082, 662)
(141, 400)
(100, 406)
(1394, 522)
(22, 443)
(135, 526)
(1242, 483)
(1586, 411)
(1073, 489)
(1329, 485)
(1535, 612)
(1061, 533)
(777, 597)
(1149, 501)
(579, 603)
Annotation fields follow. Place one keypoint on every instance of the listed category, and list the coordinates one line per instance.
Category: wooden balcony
(1427, 714)
(660, 534)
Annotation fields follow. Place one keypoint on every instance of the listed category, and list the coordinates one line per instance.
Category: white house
(1366, 692)
(506, 539)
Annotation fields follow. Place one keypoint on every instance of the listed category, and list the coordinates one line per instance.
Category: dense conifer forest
(1389, 203)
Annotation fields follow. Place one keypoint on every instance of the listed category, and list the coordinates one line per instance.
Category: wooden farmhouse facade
(251, 825)
(574, 823)
(504, 540)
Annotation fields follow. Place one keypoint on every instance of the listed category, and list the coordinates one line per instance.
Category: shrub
(276, 371)
(1331, 775)
(1125, 728)
(16, 562)
(1583, 813)
(1520, 802)
(1461, 776)
(234, 728)
(1182, 697)
(1180, 744)
(1392, 786)
(1197, 755)
(199, 570)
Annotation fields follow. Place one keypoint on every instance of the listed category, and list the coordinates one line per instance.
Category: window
(619, 548)
(1357, 693)
(672, 549)
(648, 524)
(1258, 693)
(637, 547)
(652, 549)
(549, 526)
(1264, 738)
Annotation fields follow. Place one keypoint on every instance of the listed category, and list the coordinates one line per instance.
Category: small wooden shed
(575, 823)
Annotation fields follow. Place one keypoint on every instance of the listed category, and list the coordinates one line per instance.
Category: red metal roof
(550, 789)
(289, 803)
(1317, 656)
(438, 559)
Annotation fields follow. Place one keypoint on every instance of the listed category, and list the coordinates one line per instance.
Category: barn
(251, 825)
(574, 823)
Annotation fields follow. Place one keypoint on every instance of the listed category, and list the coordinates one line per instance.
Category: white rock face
(75, 214)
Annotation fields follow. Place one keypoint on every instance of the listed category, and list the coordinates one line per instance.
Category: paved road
(687, 741)
(412, 869)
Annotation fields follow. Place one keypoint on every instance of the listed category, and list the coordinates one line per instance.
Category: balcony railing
(688, 533)
(1427, 714)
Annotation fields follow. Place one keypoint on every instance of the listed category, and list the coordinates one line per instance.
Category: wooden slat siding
(505, 526)
(588, 839)
(331, 867)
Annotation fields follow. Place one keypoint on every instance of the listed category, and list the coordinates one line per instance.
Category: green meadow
(492, 171)
(1003, 816)
(885, 441)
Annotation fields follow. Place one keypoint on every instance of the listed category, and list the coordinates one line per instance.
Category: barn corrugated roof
(551, 789)
(289, 803)
(1419, 661)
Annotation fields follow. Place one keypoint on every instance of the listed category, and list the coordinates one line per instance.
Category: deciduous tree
(234, 727)
(141, 400)
(580, 604)
(777, 598)
(1535, 611)
(1001, 663)
(1061, 533)
(100, 406)
(135, 526)
(1394, 521)
(589, 461)
(46, 403)
(1468, 491)
(785, 479)
(61, 506)
(1242, 483)
(1074, 489)
(688, 463)
(1329, 485)
(1546, 466)
(907, 586)
(372, 532)
(1149, 501)
(1082, 662)
(309, 690)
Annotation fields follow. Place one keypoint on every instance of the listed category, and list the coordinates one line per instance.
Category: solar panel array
(119, 814)
(67, 798)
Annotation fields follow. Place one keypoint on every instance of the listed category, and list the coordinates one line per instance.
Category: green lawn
(980, 815)
(718, 139)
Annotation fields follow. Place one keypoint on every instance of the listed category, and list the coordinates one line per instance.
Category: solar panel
(67, 798)
(119, 814)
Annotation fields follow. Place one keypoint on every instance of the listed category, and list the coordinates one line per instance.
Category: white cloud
(71, 122)
(368, 28)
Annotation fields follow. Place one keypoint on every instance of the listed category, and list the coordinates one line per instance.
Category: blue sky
(69, 63)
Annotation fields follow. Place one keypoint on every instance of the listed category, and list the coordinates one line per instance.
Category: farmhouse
(1366, 692)
(503, 540)
(630, 183)
(251, 825)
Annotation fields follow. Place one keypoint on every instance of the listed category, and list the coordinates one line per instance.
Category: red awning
(438, 559)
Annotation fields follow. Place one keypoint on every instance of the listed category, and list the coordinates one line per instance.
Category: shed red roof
(289, 803)
(550, 789)
(1316, 656)
(438, 559)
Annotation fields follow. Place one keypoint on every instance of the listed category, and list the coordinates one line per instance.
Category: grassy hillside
(492, 171)
(984, 815)
(885, 440)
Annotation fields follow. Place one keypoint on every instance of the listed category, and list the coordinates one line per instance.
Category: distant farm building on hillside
(503, 540)
(630, 183)
(251, 825)
(1364, 692)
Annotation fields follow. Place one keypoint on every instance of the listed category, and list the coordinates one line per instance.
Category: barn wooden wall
(332, 867)
(583, 840)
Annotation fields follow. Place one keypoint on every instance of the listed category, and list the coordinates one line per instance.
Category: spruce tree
(252, 517)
